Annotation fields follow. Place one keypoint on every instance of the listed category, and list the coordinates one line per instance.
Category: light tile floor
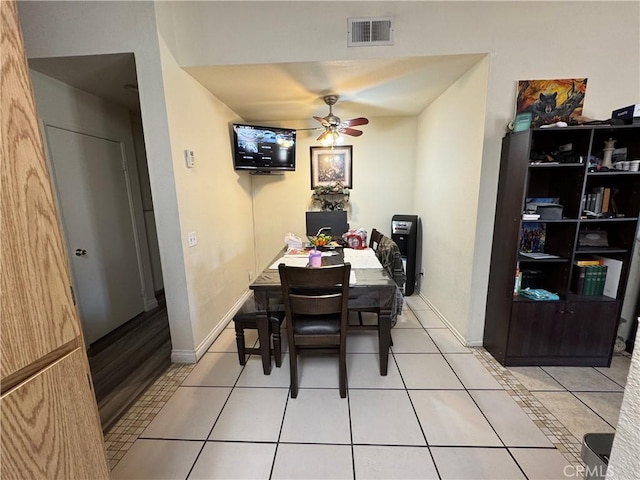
(443, 411)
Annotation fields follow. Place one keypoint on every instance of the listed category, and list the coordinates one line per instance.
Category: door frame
(134, 199)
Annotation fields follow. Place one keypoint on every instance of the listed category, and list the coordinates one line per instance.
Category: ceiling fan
(333, 126)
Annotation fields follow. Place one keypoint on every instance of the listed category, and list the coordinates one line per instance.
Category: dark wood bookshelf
(577, 329)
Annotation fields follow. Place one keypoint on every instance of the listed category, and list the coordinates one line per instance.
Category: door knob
(80, 252)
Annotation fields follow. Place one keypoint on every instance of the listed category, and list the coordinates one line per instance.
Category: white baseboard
(192, 356)
(150, 304)
(183, 356)
(453, 329)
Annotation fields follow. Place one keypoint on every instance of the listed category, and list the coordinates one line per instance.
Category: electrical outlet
(193, 240)
(189, 158)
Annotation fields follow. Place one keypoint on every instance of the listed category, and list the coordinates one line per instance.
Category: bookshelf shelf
(580, 328)
(599, 251)
(522, 258)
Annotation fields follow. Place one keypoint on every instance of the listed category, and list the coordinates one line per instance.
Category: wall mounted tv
(263, 149)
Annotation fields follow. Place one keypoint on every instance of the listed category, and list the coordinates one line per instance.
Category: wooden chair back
(315, 303)
(374, 240)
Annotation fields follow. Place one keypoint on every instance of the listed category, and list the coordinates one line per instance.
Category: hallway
(444, 411)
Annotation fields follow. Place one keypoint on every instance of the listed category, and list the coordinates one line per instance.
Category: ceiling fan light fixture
(334, 127)
(331, 139)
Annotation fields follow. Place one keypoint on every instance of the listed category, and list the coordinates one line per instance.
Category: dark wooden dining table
(373, 288)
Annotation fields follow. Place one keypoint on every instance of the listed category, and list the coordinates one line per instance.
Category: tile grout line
(119, 439)
(559, 436)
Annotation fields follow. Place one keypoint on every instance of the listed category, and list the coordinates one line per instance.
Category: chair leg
(293, 367)
(342, 366)
(262, 324)
(240, 343)
(277, 347)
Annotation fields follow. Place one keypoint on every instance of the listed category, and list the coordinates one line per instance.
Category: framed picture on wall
(330, 165)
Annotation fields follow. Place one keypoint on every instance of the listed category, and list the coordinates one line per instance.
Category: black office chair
(315, 302)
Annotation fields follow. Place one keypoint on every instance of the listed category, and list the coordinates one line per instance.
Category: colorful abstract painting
(551, 101)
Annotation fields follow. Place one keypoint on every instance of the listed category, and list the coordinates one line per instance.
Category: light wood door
(50, 426)
(97, 218)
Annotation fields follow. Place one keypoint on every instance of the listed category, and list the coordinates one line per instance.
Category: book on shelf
(594, 280)
(606, 196)
(612, 277)
(589, 277)
(590, 280)
(585, 263)
(597, 201)
(532, 237)
(597, 207)
(579, 273)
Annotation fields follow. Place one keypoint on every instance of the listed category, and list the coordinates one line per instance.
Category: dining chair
(374, 240)
(267, 322)
(315, 304)
(388, 253)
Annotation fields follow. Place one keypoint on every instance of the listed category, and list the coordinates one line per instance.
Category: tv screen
(263, 148)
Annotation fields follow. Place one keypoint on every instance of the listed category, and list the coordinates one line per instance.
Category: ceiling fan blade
(354, 122)
(322, 121)
(322, 135)
(351, 131)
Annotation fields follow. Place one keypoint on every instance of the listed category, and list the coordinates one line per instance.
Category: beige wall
(383, 182)
(214, 202)
(446, 195)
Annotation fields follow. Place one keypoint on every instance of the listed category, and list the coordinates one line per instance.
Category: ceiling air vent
(368, 32)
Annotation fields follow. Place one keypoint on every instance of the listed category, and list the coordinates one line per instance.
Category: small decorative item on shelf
(608, 152)
(331, 197)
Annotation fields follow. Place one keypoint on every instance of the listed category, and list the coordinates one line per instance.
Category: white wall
(446, 196)
(624, 463)
(213, 200)
(147, 200)
(383, 181)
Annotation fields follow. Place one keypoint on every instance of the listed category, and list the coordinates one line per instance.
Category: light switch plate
(193, 240)
(189, 158)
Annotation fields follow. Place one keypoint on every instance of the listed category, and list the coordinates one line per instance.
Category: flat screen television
(263, 149)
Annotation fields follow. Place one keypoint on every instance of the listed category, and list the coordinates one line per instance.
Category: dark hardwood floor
(126, 361)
